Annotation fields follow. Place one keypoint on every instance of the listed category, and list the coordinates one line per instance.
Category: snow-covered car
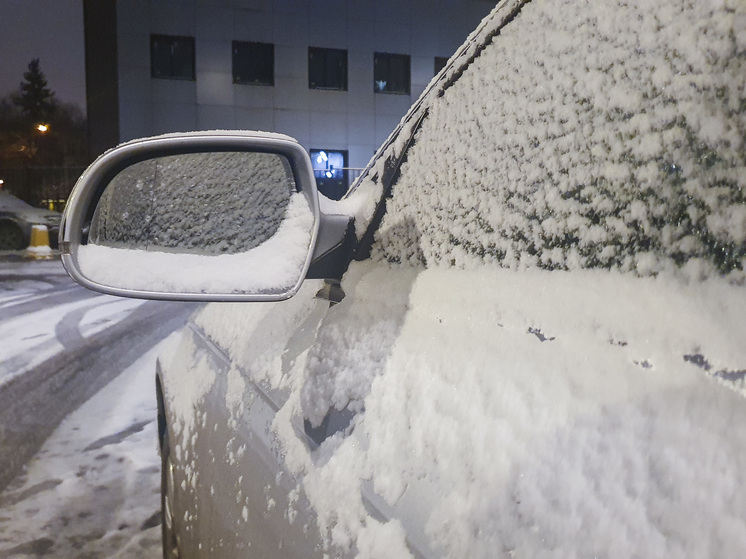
(17, 218)
(520, 334)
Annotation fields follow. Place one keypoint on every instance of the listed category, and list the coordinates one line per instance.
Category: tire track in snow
(48, 298)
(66, 332)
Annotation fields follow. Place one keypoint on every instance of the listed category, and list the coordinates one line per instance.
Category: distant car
(521, 334)
(17, 218)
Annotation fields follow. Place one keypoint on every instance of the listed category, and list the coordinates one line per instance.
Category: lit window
(330, 170)
(327, 68)
(172, 57)
(253, 63)
(391, 73)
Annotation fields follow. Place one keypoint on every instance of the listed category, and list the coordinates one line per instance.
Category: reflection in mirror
(224, 222)
(209, 203)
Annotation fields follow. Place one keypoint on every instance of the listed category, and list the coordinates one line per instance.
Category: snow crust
(604, 145)
(275, 264)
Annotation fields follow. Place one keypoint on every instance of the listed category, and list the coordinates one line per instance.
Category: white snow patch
(37, 330)
(88, 491)
(514, 408)
(626, 112)
(275, 265)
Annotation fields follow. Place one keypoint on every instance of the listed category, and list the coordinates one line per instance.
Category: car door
(233, 493)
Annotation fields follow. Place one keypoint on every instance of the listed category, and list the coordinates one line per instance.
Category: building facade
(336, 75)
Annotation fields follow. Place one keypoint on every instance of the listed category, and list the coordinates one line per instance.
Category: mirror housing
(213, 256)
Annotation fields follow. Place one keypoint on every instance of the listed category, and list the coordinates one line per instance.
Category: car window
(609, 143)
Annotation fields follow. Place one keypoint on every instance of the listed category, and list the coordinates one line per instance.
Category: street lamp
(43, 128)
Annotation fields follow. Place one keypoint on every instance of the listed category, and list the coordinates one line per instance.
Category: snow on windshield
(612, 141)
(275, 265)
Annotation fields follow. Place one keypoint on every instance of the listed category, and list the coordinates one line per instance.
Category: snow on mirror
(218, 223)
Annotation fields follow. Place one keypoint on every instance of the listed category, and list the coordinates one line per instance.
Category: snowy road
(91, 488)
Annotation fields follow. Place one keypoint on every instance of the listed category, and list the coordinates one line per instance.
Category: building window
(253, 63)
(327, 68)
(440, 63)
(391, 73)
(330, 170)
(172, 57)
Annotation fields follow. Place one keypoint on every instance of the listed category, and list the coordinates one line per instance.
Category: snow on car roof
(8, 202)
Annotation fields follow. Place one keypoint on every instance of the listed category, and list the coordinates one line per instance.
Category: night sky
(51, 30)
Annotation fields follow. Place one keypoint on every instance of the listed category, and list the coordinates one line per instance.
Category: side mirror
(217, 216)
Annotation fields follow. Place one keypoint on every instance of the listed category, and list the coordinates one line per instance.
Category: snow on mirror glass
(225, 222)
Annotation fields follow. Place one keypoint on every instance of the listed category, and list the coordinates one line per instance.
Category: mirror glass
(223, 222)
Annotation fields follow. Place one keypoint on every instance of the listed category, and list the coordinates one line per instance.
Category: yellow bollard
(39, 248)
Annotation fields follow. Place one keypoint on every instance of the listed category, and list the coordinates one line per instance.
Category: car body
(536, 346)
(17, 218)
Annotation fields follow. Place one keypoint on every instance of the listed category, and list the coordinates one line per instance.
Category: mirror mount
(334, 248)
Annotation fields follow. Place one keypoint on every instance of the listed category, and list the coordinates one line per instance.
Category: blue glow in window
(328, 164)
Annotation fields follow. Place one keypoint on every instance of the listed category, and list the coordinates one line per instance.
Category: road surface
(61, 347)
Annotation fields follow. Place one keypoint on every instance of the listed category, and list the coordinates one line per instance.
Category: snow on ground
(38, 328)
(34, 276)
(101, 316)
(37, 332)
(93, 489)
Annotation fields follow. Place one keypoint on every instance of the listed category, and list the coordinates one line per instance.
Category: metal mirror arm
(334, 247)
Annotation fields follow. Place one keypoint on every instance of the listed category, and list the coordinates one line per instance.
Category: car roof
(8, 202)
